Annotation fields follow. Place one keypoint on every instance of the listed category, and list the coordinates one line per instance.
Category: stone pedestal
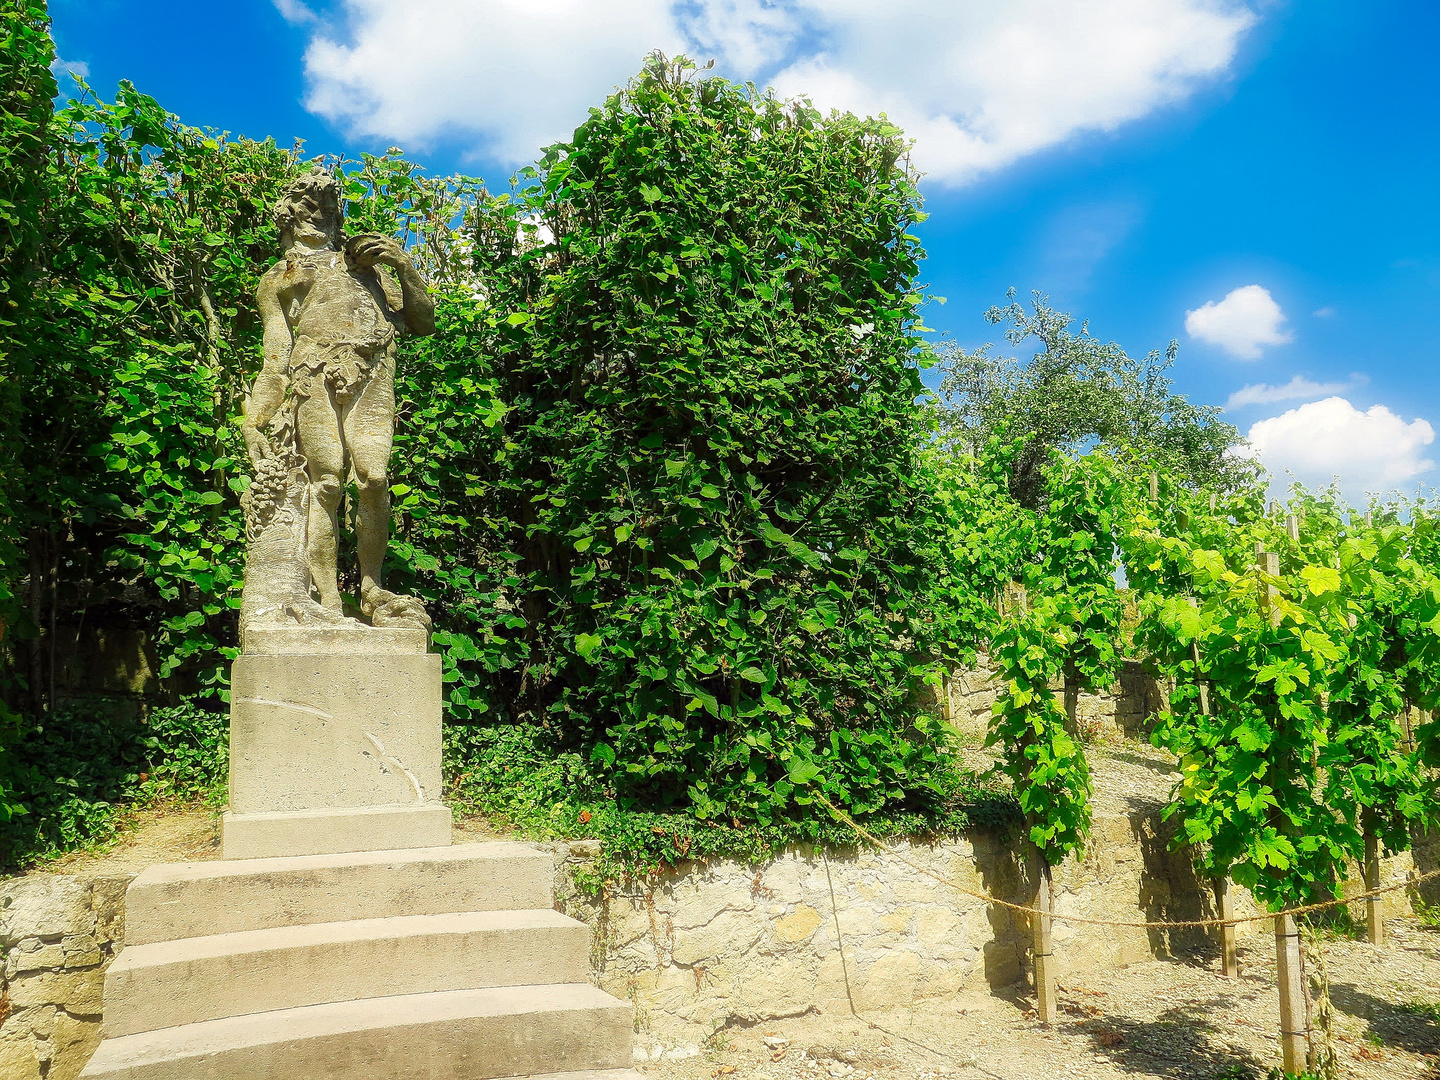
(334, 744)
(342, 937)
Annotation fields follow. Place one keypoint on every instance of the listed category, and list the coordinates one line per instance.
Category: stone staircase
(443, 963)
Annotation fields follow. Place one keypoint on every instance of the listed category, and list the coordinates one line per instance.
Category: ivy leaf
(603, 754)
(802, 772)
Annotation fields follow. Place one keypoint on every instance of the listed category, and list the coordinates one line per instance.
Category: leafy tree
(129, 372)
(26, 90)
(1077, 392)
(693, 344)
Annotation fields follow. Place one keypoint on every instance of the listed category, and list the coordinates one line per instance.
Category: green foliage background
(697, 542)
(660, 475)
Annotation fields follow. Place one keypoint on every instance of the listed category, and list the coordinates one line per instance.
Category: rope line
(1150, 925)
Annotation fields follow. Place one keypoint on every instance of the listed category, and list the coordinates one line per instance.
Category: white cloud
(1324, 313)
(294, 12)
(1296, 389)
(749, 35)
(79, 68)
(1374, 450)
(517, 74)
(1241, 324)
(978, 84)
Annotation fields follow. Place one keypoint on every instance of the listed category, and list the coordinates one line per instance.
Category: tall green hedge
(680, 408)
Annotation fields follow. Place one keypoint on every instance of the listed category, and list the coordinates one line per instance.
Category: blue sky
(1138, 160)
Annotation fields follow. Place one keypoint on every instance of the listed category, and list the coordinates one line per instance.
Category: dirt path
(1160, 1019)
(182, 833)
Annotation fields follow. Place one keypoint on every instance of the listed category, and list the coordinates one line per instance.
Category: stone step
(183, 900)
(191, 980)
(454, 1035)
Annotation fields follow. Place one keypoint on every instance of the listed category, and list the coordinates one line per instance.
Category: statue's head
(308, 211)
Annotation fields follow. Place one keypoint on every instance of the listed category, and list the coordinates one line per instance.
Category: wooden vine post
(1289, 973)
(1294, 1033)
(1225, 908)
(1374, 924)
(1046, 1002)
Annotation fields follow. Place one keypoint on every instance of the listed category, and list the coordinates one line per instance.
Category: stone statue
(322, 408)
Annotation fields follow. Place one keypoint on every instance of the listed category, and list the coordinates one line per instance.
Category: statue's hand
(367, 249)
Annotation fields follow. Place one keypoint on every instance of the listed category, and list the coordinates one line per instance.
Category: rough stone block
(731, 933)
(32, 955)
(50, 905)
(18, 1060)
(798, 926)
(107, 900)
(72, 1045)
(77, 992)
(38, 1022)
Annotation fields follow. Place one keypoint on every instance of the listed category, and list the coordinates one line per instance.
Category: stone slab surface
(182, 900)
(323, 832)
(268, 639)
(456, 1035)
(311, 731)
(208, 978)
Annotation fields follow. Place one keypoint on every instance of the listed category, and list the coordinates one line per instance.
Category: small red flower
(584, 817)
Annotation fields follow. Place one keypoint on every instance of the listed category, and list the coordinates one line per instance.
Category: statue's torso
(342, 323)
(326, 302)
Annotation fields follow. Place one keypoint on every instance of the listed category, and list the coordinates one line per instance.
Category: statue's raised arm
(323, 408)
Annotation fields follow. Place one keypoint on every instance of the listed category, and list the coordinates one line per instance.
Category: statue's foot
(384, 608)
(307, 612)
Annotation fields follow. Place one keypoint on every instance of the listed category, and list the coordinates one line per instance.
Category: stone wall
(57, 934)
(730, 942)
(1123, 709)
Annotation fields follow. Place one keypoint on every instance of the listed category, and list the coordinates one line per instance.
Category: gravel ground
(1160, 1019)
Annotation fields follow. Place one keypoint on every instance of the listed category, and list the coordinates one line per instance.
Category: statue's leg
(369, 428)
(319, 430)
